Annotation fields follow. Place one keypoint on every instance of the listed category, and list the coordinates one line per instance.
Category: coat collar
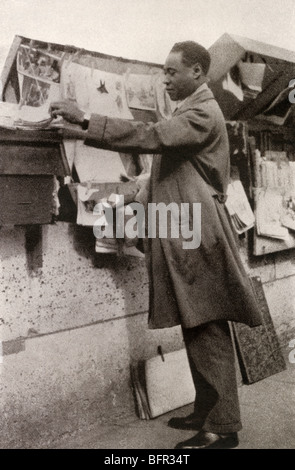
(202, 94)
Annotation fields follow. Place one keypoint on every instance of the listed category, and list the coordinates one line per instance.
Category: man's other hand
(68, 110)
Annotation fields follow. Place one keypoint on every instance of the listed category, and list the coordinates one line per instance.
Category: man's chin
(172, 96)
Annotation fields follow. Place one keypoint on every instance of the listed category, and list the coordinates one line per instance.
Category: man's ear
(198, 71)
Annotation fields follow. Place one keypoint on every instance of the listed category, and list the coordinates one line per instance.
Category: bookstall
(253, 83)
(60, 310)
(37, 73)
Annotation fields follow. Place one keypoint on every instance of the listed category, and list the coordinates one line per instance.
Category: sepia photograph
(147, 227)
(34, 63)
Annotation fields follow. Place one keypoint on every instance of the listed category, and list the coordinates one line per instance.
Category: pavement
(268, 416)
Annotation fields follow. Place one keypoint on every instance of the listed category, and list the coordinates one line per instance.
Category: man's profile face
(180, 79)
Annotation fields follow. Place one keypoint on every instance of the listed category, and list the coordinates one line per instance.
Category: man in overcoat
(203, 288)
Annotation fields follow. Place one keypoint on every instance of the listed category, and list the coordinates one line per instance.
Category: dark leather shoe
(209, 440)
(187, 423)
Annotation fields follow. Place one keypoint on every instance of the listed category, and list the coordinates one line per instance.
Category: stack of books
(15, 116)
(238, 207)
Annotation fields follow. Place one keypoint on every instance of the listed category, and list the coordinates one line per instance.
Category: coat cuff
(96, 129)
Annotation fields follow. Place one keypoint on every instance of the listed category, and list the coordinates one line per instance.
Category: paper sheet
(87, 199)
(8, 113)
(239, 208)
(229, 85)
(13, 116)
(268, 214)
(95, 91)
(140, 91)
(98, 165)
(288, 213)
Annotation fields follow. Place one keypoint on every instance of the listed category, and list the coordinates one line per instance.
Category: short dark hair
(193, 53)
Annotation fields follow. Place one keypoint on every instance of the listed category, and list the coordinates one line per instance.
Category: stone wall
(69, 332)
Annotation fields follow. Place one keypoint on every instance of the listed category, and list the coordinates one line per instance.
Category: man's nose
(166, 81)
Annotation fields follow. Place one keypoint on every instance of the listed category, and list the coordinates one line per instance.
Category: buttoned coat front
(191, 165)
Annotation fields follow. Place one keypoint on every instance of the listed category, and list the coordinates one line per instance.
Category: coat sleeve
(189, 129)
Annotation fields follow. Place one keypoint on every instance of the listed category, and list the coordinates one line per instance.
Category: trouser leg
(212, 362)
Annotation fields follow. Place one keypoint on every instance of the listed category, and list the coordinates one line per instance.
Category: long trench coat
(188, 286)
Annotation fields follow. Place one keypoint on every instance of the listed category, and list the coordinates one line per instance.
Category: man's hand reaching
(68, 110)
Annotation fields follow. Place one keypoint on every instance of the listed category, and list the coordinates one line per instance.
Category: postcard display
(37, 73)
(252, 83)
(272, 148)
(273, 160)
(268, 177)
(272, 151)
(271, 183)
(33, 153)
